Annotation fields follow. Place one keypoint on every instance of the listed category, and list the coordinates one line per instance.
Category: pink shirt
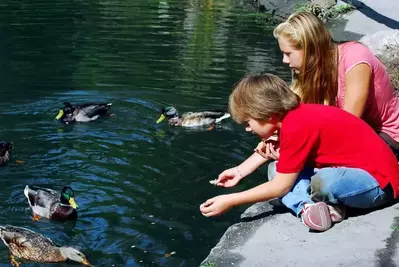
(382, 107)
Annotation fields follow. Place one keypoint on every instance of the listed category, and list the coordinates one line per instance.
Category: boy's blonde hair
(316, 81)
(259, 97)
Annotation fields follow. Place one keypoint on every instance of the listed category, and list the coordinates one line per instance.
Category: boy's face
(291, 56)
(263, 129)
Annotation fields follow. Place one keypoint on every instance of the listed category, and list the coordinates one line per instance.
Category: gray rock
(383, 42)
(281, 9)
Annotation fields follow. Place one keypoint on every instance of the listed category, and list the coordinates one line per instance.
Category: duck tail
(225, 116)
(26, 191)
(29, 193)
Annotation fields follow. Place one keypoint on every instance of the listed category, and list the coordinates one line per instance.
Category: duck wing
(41, 199)
(91, 110)
(215, 114)
(202, 118)
(26, 244)
(22, 237)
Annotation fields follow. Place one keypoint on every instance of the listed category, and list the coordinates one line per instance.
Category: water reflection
(138, 184)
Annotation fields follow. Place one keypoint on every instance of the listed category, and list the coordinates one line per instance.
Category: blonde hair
(259, 97)
(316, 81)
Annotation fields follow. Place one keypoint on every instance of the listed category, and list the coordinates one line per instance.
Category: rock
(280, 9)
(324, 3)
(382, 42)
(385, 45)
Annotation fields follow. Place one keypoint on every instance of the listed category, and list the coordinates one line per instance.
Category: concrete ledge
(273, 238)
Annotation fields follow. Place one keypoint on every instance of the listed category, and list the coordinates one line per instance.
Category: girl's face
(291, 56)
(263, 129)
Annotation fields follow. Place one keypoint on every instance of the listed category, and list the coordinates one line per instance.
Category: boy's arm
(278, 187)
(251, 164)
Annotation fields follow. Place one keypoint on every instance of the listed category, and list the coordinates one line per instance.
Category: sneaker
(337, 213)
(316, 216)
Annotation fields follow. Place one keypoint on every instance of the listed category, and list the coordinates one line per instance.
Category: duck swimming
(26, 244)
(51, 204)
(192, 119)
(5, 151)
(82, 113)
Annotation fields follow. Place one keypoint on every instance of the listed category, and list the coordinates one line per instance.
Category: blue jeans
(348, 186)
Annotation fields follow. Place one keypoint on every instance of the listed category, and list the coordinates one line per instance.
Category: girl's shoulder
(353, 53)
(352, 47)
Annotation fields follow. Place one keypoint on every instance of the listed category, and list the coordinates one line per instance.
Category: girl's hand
(272, 150)
(268, 149)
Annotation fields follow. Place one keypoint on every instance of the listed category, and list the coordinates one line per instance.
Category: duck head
(68, 197)
(168, 112)
(66, 115)
(74, 255)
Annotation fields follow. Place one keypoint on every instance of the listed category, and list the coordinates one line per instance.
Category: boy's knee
(317, 192)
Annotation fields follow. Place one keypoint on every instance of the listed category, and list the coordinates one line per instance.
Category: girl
(347, 75)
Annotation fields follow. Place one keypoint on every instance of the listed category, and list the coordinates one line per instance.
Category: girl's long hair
(317, 80)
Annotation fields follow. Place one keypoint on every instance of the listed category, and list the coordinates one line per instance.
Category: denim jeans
(348, 186)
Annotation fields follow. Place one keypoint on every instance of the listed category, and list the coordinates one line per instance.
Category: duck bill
(161, 118)
(73, 203)
(87, 263)
(60, 114)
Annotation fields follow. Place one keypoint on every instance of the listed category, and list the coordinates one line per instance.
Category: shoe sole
(317, 217)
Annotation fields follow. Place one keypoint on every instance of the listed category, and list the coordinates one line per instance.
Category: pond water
(138, 184)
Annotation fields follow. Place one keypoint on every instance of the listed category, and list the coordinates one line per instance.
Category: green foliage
(208, 264)
(325, 14)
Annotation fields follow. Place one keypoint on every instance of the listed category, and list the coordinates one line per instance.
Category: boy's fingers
(208, 202)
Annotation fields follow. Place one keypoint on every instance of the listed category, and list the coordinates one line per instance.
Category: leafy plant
(325, 13)
(208, 264)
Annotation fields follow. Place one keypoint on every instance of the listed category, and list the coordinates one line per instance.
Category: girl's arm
(357, 84)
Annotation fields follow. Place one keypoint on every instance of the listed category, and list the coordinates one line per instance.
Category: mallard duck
(5, 151)
(52, 204)
(26, 244)
(82, 113)
(192, 119)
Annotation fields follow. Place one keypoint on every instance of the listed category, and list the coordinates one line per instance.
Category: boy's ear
(274, 119)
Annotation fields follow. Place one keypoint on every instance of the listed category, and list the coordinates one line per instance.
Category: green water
(138, 184)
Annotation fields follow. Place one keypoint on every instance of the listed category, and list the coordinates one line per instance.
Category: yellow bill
(60, 114)
(86, 262)
(161, 118)
(73, 203)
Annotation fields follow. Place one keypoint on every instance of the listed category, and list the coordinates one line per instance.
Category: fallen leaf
(170, 254)
(20, 161)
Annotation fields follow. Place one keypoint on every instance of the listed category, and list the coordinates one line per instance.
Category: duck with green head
(26, 244)
(192, 119)
(51, 204)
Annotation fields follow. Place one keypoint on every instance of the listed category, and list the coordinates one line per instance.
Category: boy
(352, 165)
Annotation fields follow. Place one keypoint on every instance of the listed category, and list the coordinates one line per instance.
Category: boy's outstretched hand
(216, 206)
(229, 177)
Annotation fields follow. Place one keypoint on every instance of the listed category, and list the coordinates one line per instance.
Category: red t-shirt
(325, 136)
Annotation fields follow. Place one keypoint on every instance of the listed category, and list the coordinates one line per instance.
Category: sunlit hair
(316, 81)
(261, 96)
